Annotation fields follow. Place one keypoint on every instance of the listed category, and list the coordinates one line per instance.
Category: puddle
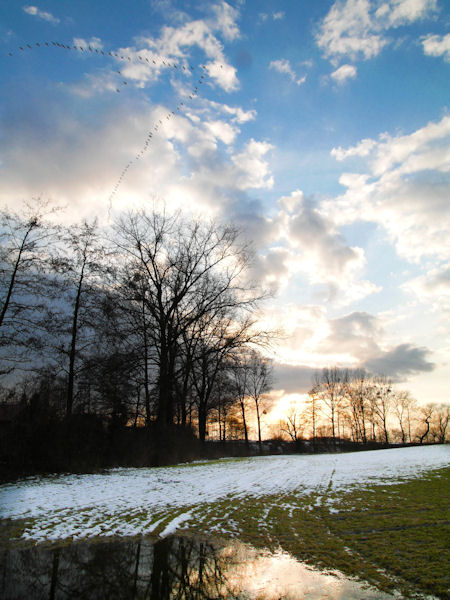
(172, 568)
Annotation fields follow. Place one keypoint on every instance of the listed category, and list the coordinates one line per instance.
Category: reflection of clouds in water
(262, 575)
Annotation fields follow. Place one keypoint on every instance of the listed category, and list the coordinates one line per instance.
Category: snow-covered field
(134, 501)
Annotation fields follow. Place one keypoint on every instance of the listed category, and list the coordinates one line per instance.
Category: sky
(321, 129)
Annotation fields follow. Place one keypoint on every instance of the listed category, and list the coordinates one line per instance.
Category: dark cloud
(311, 230)
(293, 378)
(272, 267)
(355, 334)
(401, 361)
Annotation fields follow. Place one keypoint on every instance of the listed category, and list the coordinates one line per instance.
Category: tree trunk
(202, 422)
(73, 343)
(136, 569)
(244, 422)
(14, 274)
(146, 376)
(160, 584)
(259, 426)
(54, 580)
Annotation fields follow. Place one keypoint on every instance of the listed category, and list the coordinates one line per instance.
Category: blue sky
(320, 128)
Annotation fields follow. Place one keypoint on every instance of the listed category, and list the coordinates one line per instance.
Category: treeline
(352, 405)
(150, 325)
(137, 343)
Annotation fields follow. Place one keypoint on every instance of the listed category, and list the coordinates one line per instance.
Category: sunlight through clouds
(340, 181)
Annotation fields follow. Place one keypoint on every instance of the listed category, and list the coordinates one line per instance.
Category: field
(379, 515)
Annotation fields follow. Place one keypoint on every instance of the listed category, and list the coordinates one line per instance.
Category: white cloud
(274, 268)
(356, 335)
(405, 191)
(402, 12)
(411, 153)
(184, 163)
(174, 42)
(222, 131)
(293, 202)
(348, 30)
(41, 14)
(432, 288)
(93, 42)
(225, 20)
(276, 16)
(97, 83)
(284, 66)
(223, 74)
(239, 115)
(437, 45)
(321, 252)
(355, 28)
(355, 340)
(252, 170)
(150, 57)
(343, 73)
(363, 148)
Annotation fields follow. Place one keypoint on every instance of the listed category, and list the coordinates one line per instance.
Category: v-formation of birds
(157, 61)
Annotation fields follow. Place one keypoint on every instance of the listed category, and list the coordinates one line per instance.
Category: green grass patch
(393, 536)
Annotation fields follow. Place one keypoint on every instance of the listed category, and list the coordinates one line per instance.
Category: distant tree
(359, 390)
(383, 401)
(260, 381)
(224, 402)
(292, 426)
(403, 404)
(425, 416)
(440, 423)
(312, 412)
(330, 387)
(241, 377)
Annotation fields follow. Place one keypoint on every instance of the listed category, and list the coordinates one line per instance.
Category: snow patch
(89, 505)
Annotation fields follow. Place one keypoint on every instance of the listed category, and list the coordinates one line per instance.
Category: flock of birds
(156, 61)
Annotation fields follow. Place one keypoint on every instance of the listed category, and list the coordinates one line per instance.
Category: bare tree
(187, 272)
(403, 404)
(330, 389)
(241, 376)
(24, 243)
(260, 382)
(358, 393)
(440, 423)
(80, 264)
(219, 344)
(292, 425)
(384, 397)
(425, 416)
(312, 412)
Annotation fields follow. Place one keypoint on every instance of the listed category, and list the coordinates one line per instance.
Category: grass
(392, 536)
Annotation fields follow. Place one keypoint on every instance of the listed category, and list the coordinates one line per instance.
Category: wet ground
(171, 568)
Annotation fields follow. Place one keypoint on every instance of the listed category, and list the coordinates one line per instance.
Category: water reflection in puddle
(172, 568)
